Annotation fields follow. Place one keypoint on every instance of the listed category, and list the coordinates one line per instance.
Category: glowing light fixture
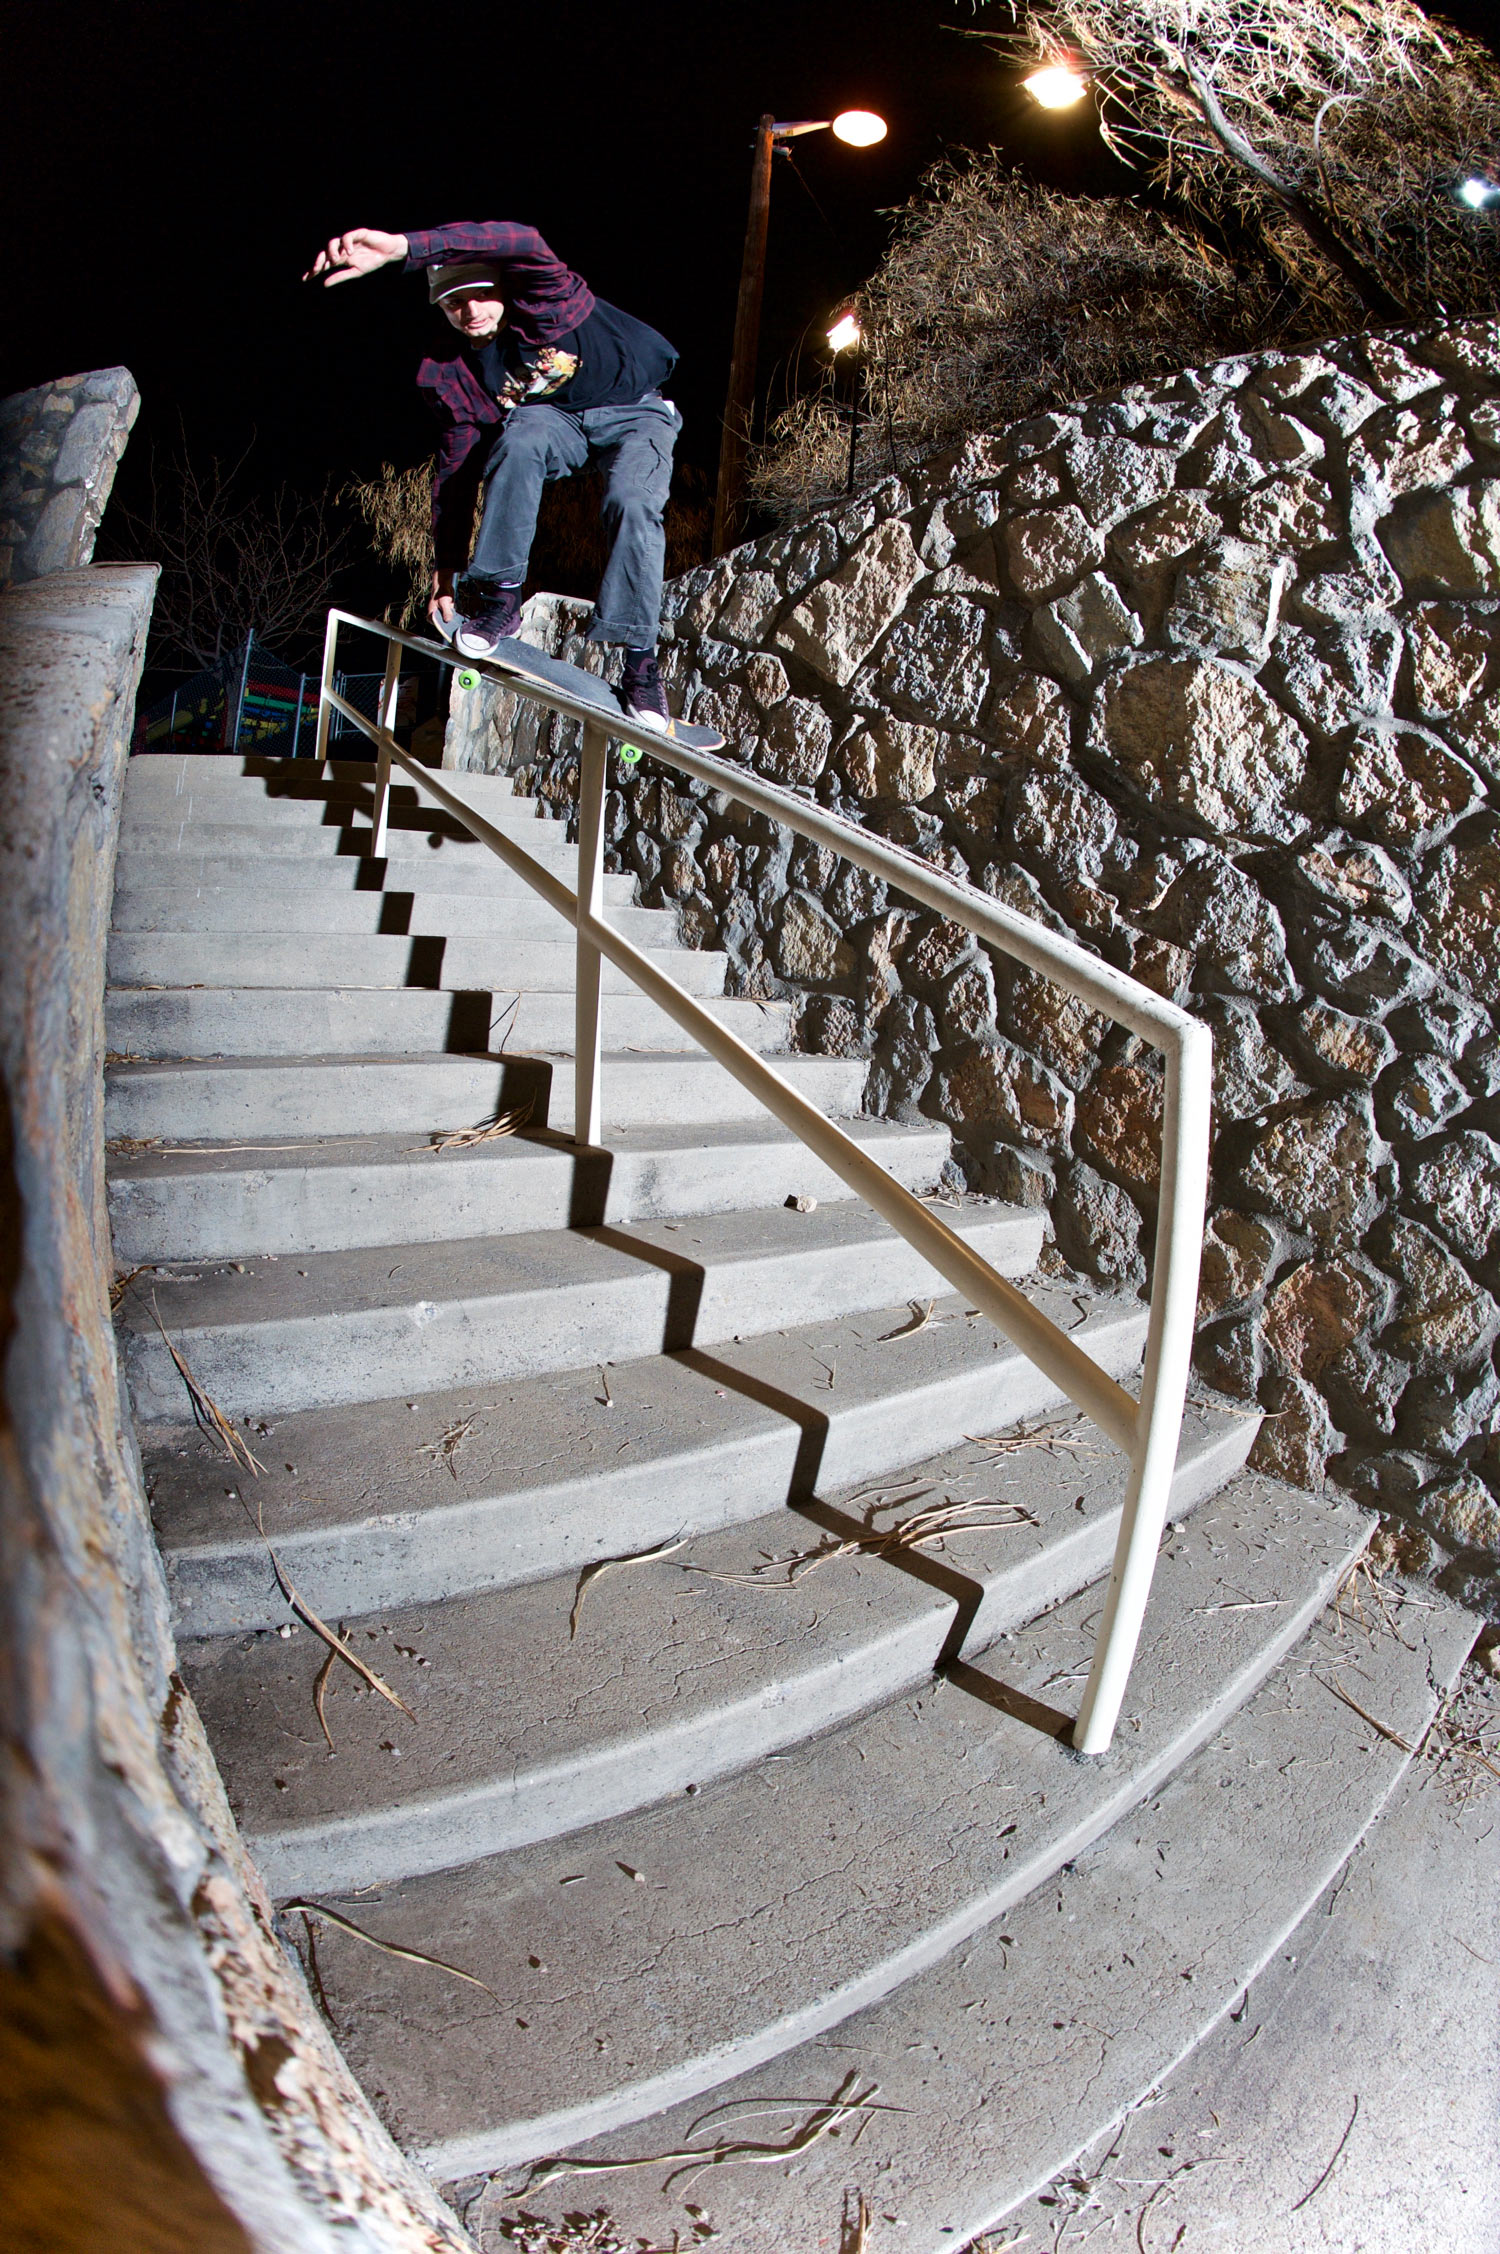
(1478, 194)
(845, 332)
(860, 128)
(1056, 86)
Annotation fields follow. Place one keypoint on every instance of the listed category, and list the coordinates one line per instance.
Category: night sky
(180, 164)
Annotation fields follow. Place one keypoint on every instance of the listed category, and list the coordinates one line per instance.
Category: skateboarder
(543, 379)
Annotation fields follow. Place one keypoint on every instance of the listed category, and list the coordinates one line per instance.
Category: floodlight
(844, 333)
(1056, 87)
(1477, 193)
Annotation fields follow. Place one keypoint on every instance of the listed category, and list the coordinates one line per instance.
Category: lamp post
(860, 129)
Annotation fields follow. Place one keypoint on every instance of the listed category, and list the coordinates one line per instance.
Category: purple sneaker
(641, 691)
(497, 618)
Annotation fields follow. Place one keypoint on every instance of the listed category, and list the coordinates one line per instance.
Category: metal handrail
(1147, 1430)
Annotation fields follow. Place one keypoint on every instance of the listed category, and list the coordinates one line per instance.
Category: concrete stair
(739, 1579)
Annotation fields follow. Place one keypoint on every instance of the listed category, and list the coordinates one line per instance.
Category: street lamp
(1478, 193)
(845, 336)
(858, 129)
(1057, 86)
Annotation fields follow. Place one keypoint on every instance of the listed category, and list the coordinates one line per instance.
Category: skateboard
(521, 660)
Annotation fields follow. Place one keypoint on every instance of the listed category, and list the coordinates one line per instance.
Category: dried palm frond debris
(985, 1514)
(207, 1415)
(824, 2119)
(469, 1138)
(306, 1910)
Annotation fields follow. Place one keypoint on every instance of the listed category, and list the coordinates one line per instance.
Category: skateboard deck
(520, 659)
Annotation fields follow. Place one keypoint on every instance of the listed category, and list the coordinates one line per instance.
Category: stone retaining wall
(1204, 673)
(60, 446)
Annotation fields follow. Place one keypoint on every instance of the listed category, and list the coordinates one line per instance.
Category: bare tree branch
(234, 561)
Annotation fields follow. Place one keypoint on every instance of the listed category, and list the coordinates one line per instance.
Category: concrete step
(184, 770)
(240, 907)
(726, 1927)
(220, 1205)
(380, 1504)
(520, 1735)
(264, 1021)
(413, 838)
(463, 963)
(152, 818)
(193, 872)
(266, 1337)
(277, 1096)
(997, 2069)
(300, 788)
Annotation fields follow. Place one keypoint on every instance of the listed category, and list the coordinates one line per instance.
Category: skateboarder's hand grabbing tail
(440, 607)
(362, 250)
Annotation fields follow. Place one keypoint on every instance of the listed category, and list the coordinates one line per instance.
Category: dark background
(170, 169)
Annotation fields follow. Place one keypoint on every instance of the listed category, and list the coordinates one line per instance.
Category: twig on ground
(122, 1284)
(207, 1415)
(386, 1948)
(448, 1442)
(822, 2121)
(1380, 1728)
(854, 2228)
(320, 1692)
(1311, 2194)
(591, 1573)
(921, 1316)
(934, 1524)
(1068, 1438)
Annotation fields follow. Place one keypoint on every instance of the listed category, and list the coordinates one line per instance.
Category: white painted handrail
(1149, 1430)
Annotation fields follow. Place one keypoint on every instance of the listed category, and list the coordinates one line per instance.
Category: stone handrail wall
(167, 2080)
(60, 446)
(1205, 673)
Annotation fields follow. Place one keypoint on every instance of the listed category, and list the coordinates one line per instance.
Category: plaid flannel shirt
(544, 300)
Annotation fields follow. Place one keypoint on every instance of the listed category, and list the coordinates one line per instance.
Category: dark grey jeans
(633, 445)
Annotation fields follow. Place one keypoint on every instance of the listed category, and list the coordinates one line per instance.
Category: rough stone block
(1050, 549)
(1201, 738)
(1218, 908)
(1240, 1252)
(935, 665)
(1453, 646)
(1298, 1436)
(1113, 477)
(1340, 677)
(1459, 919)
(1228, 1357)
(836, 625)
(1296, 512)
(1228, 602)
(1120, 1124)
(1408, 448)
(994, 1089)
(1319, 1309)
(1458, 1186)
(1363, 877)
(1417, 1096)
(892, 759)
(752, 605)
(1315, 1167)
(1402, 784)
(1333, 1046)
(1031, 715)
(1460, 1510)
(1081, 631)
(1061, 1029)
(1250, 1073)
(1162, 534)
(1449, 543)
(1393, 371)
(809, 945)
(1444, 1319)
(796, 736)
(1098, 1228)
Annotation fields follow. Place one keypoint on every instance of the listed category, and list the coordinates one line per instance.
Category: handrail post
(593, 766)
(390, 689)
(325, 709)
(1186, 1119)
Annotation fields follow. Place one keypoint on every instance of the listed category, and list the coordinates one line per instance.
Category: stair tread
(359, 1503)
(996, 2069)
(526, 1730)
(242, 959)
(771, 1905)
(260, 1334)
(199, 1021)
(403, 911)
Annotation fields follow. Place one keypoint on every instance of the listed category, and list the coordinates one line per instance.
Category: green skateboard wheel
(630, 753)
(468, 680)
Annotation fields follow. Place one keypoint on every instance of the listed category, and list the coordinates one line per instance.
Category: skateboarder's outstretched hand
(362, 250)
